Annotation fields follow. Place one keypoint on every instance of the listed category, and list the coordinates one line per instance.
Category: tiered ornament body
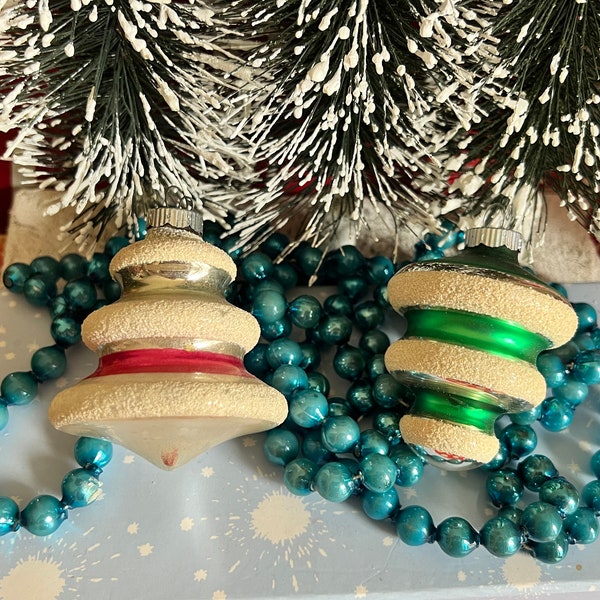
(476, 324)
(171, 381)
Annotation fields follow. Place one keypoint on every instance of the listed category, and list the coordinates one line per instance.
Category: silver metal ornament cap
(179, 218)
(493, 237)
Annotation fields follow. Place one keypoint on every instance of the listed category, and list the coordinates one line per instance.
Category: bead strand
(39, 283)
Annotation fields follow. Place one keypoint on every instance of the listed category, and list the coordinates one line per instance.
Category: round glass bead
(587, 367)
(38, 290)
(276, 329)
(374, 341)
(556, 414)
(504, 488)
(338, 304)
(275, 244)
(561, 289)
(371, 442)
(65, 331)
(566, 353)
(349, 362)
(15, 276)
(308, 408)
(340, 434)
(80, 487)
(335, 330)
(18, 388)
(48, 363)
(456, 537)
(299, 475)
(379, 472)
(520, 440)
(256, 266)
(584, 341)
(9, 515)
(550, 552)
(313, 447)
(574, 392)
(501, 537)
(345, 261)
(375, 366)
(581, 527)
(114, 244)
(92, 453)
(72, 266)
(527, 417)
(58, 307)
(380, 295)
(586, 316)
(286, 275)
(535, 470)
(359, 396)
(387, 423)
(289, 378)
(409, 466)
(80, 294)
(380, 506)
(256, 361)
(269, 306)
(305, 311)
(284, 351)
(318, 382)
(368, 315)
(311, 355)
(97, 269)
(308, 258)
(541, 522)
(499, 460)
(354, 287)
(46, 266)
(552, 368)
(595, 464)
(512, 513)
(334, 482)
(386, 391)
(281, 446)
(562, 494)
(380, 270)
(3, 415)
(590, 495)
(414, 526)
(231, 245)
(111, 290)
(43, 515)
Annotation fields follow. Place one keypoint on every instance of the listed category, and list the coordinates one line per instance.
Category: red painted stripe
(169, 360)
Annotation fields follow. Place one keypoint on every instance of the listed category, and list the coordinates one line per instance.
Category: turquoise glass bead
(378, 472)
(308, 258)
(97, 269)
(281, 446)
(80, 294)
(456, 537)
(299, 475)
(286, 275)
(256, 361)
(586, 316)
(275, 244)
(504, 488)
(256, 266)
(561, 289)
(49, 362)
(581, 527)
(574, 392)
(587, 367)
(92, 453)
(371, 442)
(335, 330)
(38, 290)
(374, 341)
(269, 306)
(276, 329)
(18, 388)
(43, 515)
(340, 434)
(313, 447)
(231, 245)
(541, 522)
(409, 466)
(375, 366)
(380, 270)
(380, 506)
(360, 397)
(499, 460)
(111, 290)
(3, 415)
(386, 391)
(9, 515)
(15, 276)
(318, 382)
(562, 494)
(65, 331)
(512, 513)
(80, 487)
(334, 482)
(527, 417)
(520, 440)
(584, 341)
(284, 351)
(552, 368)
(268, 285)
(339, 408)
(345, 261)
(380, 295)
(566, 353)
(212, 233)
(387, 423)
(354, 287)
(308, 408)
(556, 414)
(288, 379)
(311, 356)
(535, 470)
(414, 526)
(338, 304)
(550, 552)
(368, 315)
(72, 266)
(305, 311)
(114, 244)
(595, 464)
(47, 266)
(58, 307)
(501, 537)
(590, 495)
(349, 362)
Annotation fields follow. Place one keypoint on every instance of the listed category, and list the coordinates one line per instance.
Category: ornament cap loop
(179, 218)
(493, 237)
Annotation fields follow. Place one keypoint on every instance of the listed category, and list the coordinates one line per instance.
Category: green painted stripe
(492, 335)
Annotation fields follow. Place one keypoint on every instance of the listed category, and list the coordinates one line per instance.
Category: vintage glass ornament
(476, 323)
(170, 382)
